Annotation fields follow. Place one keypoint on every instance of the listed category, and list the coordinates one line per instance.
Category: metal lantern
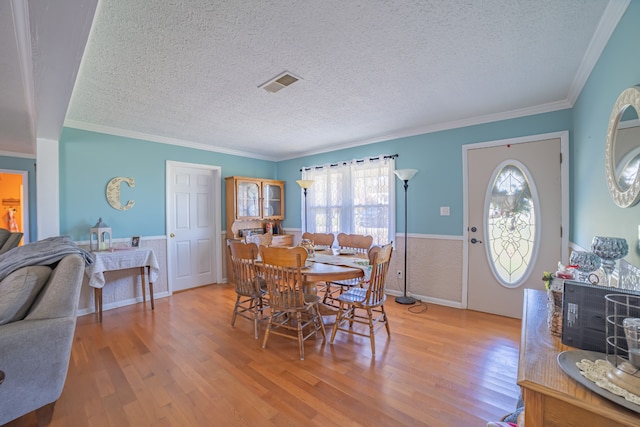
(99, 232)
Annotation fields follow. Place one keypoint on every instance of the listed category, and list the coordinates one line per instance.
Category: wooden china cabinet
(252, 203)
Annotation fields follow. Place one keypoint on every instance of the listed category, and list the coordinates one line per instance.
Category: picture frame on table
(135, 241)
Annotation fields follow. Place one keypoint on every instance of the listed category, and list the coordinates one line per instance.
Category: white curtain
(352, 197)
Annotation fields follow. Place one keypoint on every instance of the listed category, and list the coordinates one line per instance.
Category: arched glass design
(511, 229)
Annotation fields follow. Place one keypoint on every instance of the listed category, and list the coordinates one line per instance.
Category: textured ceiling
(187, 72)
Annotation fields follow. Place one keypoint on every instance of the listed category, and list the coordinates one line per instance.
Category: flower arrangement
(547, 278)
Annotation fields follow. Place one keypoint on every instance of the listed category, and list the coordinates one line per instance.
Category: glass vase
(609, 249)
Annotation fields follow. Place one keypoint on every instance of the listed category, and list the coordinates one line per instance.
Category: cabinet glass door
(248, 199)
(272, 207)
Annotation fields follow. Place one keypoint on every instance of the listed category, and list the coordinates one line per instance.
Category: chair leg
(266, 333)
(327, 292)
(337, 323)
(372, 335)
(45, 414)
(255, 316)
(300, 339)
(235, 311)
(351, 315)
(386, 320)
(318, 319)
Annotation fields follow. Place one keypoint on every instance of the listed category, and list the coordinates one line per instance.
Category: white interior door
(193, 221)
(514, 221)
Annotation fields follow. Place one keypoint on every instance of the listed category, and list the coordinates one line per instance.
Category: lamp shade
(305, 183)
(405, 174)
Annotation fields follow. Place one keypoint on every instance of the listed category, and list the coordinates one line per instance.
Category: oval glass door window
(511, 231)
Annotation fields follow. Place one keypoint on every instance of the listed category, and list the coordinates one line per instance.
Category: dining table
(329, 265)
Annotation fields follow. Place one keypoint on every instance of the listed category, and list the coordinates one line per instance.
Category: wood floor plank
(183, 364)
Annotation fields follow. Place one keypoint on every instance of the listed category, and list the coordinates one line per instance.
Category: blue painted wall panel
(88, 160)
(593, 211)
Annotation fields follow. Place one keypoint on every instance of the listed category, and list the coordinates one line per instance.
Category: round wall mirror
(622, 152)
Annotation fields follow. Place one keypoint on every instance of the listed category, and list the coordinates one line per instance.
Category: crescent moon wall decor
(113, 193)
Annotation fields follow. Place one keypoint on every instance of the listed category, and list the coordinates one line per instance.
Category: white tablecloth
(348, 261)
(120, 260)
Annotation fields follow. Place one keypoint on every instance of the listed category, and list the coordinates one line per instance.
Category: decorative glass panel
(272, 201)
(248, 200)
(511, 235)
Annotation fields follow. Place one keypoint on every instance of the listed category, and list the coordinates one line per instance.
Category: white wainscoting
(434, 267)
(434, 272)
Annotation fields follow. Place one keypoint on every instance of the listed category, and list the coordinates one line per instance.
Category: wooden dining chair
(337, 287)
(366, 305)
(360, 243)
(294, 313)
(250, 287)
(260, 239)
(325, 239)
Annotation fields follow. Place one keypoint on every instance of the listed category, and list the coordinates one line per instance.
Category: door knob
(474, 229)
(474, 241)
(172, 235)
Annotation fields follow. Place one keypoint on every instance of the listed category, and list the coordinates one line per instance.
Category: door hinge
(560, 158)
(560, 232)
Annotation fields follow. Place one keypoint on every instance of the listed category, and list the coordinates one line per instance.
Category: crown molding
(478, 120)
(160, 139)
(15, 154)
(610, 19)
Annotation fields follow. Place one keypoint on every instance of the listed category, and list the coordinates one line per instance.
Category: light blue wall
(593, 210)
(88, 160)
(29, 165)
(438, 158)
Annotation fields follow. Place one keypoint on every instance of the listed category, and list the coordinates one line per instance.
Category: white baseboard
(123, 303)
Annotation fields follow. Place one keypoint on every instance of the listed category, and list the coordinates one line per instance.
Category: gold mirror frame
(624, 198)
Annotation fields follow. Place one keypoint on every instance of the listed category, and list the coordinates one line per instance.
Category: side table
(141, 258)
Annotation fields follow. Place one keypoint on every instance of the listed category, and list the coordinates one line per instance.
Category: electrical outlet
(399, 274)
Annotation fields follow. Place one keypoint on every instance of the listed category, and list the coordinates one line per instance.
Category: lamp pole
(305, 184)
(405, 175)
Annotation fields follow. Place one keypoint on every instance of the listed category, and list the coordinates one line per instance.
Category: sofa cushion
(18, 291)
(11, 242)
(4, 235)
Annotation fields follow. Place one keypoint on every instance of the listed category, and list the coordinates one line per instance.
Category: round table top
(318, 272)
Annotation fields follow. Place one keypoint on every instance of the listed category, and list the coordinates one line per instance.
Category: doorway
(193, 225)
(516, 219)
(14, 196)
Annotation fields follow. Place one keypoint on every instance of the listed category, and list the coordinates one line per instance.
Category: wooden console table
(551, 397)
(121, 260)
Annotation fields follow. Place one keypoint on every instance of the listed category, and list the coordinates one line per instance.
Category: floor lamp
(305, 184)
(405, 175)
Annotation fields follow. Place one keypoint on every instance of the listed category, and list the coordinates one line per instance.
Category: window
(352, 197)
(512, 235)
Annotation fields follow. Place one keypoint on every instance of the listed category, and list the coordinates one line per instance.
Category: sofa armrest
(59, 296)
(34, 356)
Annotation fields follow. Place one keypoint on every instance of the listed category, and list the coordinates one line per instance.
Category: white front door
(193, 224)
(514, 221)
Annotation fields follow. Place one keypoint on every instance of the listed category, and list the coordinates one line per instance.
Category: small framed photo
(135, 241)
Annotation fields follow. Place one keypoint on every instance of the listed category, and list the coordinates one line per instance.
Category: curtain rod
(391, 156)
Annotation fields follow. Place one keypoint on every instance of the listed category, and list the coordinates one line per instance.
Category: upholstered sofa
(38, 307)
(9, 239)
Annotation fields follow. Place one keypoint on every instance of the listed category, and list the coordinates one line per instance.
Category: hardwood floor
(184, 365)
